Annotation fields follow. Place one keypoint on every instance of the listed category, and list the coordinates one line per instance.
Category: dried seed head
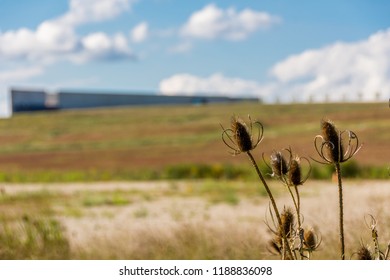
(287, 219)
(241, 135)
(310, 240)
(364, 253)
(278, 164)
(294, 172)
(333, 146)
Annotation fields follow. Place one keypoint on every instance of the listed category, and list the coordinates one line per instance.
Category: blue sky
(276, 50)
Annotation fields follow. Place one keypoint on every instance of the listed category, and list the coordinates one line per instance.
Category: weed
(33, 239)
(332, 150)
(334, 147)
(239, 139)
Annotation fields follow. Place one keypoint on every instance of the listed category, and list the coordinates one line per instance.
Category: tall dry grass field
(176, 220)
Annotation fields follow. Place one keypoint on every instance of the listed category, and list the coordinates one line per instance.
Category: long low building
(25, 100)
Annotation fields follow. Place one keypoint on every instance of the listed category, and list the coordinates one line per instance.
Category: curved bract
(333, 147)
(240, 137)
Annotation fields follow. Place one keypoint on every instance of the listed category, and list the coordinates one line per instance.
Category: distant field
(118, 143)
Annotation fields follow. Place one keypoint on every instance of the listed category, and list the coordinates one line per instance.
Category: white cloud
(212, 22)
(339, 71)
(51, 36)
(82, 11)
(15, 44)
(100, 46)
(49, 39)
(140, 32)
(216, 84)
(57, 39)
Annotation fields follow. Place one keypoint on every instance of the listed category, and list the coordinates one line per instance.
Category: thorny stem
(293, 199)
(298, 209)
(341, 208)
(298, 205)
(271, 197)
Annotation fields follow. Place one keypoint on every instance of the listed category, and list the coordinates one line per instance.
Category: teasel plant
(243, 138)
(286, 228)
(289, 172)
(335, 147)
(365, 252)
(310, 240)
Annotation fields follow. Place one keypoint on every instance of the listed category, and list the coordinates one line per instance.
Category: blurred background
(111, 111)
(80, 54)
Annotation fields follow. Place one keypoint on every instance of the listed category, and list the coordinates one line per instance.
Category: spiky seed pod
(310, 240)
(241, 135)
(239, 138)
(278, 164)
(364, 253)
(334, 147)
(287, 220)
(294, 172)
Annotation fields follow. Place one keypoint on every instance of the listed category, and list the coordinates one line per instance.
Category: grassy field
(172, 141)
(212, 218)
(177, 220)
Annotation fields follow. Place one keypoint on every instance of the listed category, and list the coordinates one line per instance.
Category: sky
(279, 51)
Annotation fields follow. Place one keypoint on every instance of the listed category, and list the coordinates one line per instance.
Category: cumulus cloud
(216, 84)
(57, 39)
(100, 46)
(83, 11)
(47, 40)
(337, 72)
(140, 32)
(212, 22)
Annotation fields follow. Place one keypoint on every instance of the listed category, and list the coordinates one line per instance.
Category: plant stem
(300, 230)
(298, 206)
(297, 210)
(271, 197)
(341, 208)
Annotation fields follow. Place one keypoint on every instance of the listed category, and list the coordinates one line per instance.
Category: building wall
(33, 100)
(28, 100)
(69, 100)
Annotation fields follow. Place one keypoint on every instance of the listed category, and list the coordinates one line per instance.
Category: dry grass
(165, 220)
